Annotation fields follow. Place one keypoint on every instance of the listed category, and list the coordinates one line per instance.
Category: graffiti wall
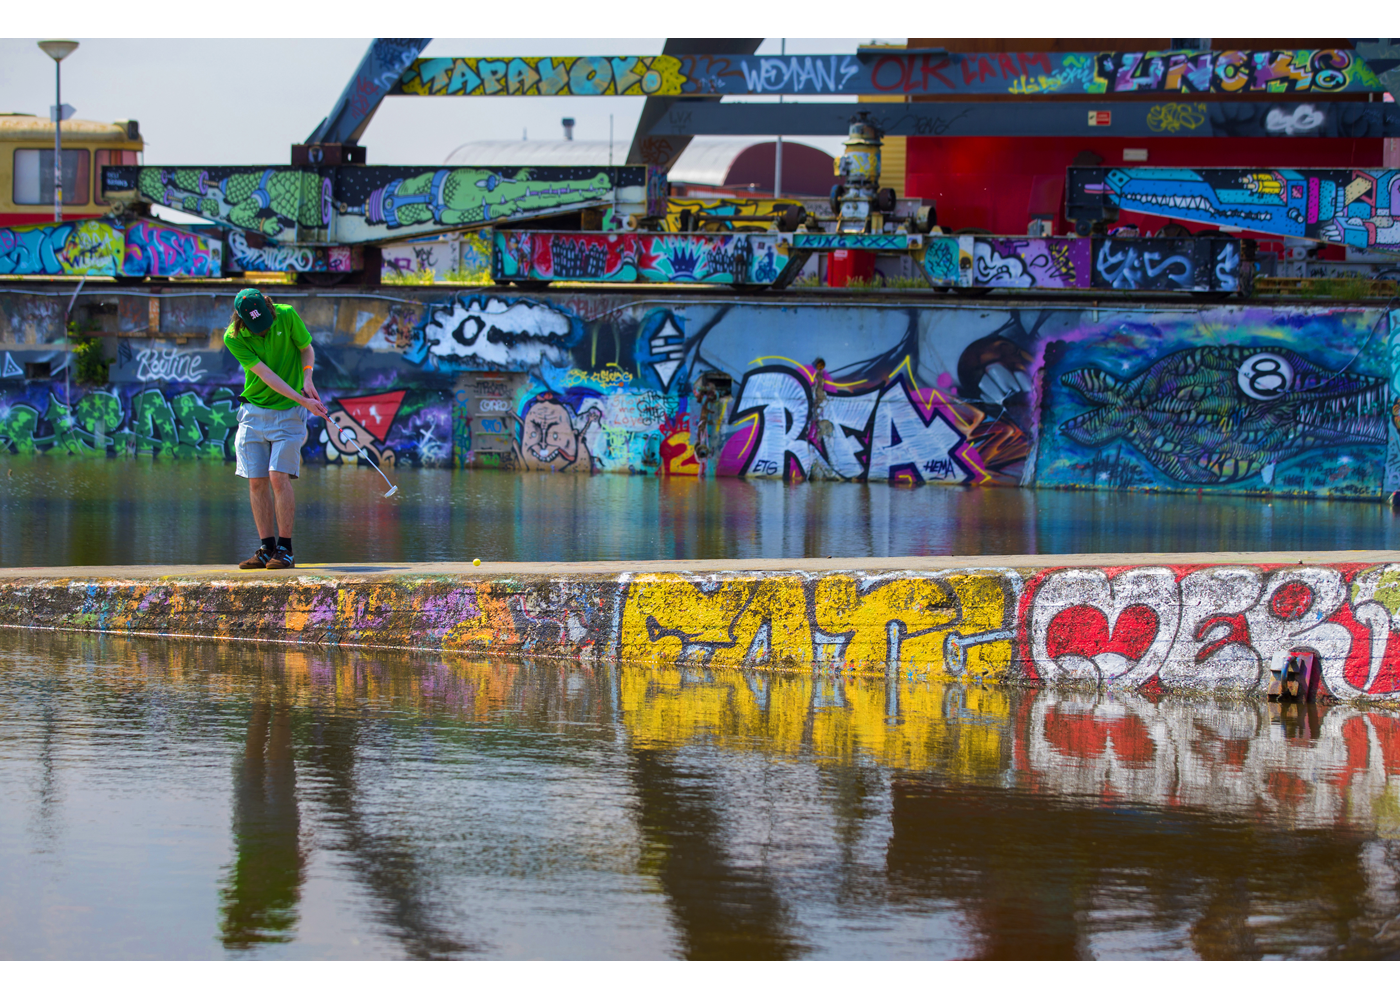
(86, 247)
(1030, 263)
(1296, 400)
(1305, 71)
(200, 421)
(108, 247)
(1145, 628)
(1273, 401)
(1069, 262)
(1152, 627)
(715, 389)
(249, 253)
(1355, 208)
(631, 257)
(1165, 626)
(547, 76)
(171, 402)
(155, 250)
(356, 204)
(1166, 265)
(462, 259)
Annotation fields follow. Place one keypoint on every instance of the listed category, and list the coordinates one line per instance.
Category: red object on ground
(843, 265)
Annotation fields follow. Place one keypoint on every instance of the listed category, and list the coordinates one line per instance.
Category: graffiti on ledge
(632, 257)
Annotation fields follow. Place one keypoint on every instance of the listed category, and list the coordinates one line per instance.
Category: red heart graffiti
(1083, 631)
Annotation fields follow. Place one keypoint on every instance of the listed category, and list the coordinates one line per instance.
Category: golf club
(348, 435)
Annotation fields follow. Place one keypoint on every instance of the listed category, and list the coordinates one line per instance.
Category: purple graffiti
(161, 251)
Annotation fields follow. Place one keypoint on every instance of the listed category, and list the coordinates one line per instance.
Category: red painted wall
(998, 183)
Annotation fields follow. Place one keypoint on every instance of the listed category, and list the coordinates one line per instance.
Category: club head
(392, 491)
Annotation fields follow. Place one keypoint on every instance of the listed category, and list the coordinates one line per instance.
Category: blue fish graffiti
(1209, 416)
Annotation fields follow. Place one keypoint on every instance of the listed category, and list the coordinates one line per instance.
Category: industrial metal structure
(328, 214)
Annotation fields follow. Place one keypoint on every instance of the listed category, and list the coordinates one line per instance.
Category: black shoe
(258, 560)
(282, 559)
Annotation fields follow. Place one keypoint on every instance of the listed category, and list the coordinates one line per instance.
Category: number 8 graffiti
(1265, 376)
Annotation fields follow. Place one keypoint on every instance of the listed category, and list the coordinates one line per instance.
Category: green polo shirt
(279, 348)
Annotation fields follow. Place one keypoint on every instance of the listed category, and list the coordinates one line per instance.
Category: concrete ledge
(1206, 621)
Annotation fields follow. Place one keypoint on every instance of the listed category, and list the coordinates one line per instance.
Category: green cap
(254, 310)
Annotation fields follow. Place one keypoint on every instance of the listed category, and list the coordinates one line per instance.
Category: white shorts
(269, 439)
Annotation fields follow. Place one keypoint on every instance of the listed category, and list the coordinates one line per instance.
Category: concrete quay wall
(1205, 622)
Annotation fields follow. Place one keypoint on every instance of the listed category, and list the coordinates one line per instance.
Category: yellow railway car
(26, 166)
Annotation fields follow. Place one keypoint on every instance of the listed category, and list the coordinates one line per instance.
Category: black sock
(269, 543)
(284, 543)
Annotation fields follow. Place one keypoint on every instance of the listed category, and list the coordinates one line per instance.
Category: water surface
(64, 511)
(196, 800)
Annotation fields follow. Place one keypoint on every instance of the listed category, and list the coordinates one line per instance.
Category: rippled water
(62, 511)
(191, 800)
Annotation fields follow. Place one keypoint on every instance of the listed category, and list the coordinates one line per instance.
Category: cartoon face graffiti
(552, 435)
(361, 424)
(1217, 415)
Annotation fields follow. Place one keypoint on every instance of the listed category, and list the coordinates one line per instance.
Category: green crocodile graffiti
(467, 195)
(269, 200)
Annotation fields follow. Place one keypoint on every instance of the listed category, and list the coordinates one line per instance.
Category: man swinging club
(274, 348)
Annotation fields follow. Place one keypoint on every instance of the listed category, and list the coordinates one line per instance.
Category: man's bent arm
(275, 383)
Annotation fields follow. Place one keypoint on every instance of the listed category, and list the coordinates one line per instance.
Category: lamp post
(58, 50)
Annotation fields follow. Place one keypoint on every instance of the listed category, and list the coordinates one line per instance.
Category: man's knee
(258, 485)
(281, 482)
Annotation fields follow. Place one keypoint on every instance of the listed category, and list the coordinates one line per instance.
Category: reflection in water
(390, 803)
(724, 910)
(383, 861)
(264, 887)
(62, 511)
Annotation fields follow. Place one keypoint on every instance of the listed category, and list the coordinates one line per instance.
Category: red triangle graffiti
(374, 413)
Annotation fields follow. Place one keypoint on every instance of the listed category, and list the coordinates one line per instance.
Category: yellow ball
(476, 562)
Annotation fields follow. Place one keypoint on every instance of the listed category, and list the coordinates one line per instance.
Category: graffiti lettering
(1223, 624)
(547, 76)
(87, 247)
(281, 257)
(168, 365)
(165, 251)
(1136, 266)
(1176, 117)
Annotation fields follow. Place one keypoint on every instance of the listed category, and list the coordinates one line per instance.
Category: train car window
(33, 177)
(108, 158)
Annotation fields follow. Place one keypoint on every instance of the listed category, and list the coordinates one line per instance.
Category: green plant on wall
(410, 278)
(89, 363)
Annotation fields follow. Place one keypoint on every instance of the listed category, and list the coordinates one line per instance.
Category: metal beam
(663, 151)
(682, 70)
(378, 73)
(1211, 119)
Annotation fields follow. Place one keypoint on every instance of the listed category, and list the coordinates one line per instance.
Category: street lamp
(58, 50)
